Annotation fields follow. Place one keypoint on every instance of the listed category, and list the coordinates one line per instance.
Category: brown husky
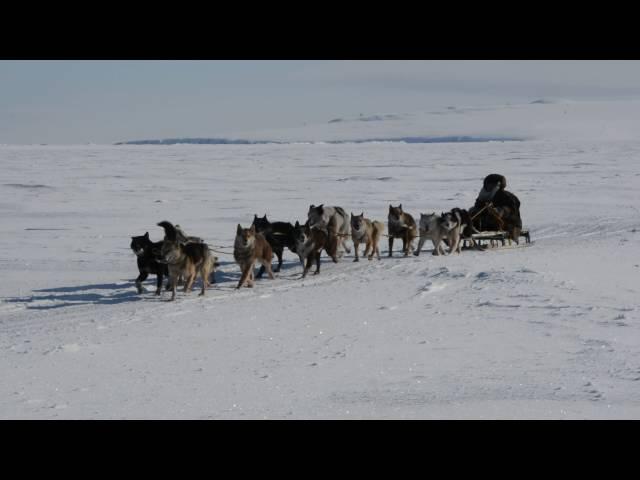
(317, 239)
(401, 225)
(365, 231)
(186, 260)
(249, 247)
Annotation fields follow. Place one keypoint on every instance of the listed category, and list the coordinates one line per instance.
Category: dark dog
(278, 235)
(401, 225)
(148, 254)
(317, 240)
(300, 235)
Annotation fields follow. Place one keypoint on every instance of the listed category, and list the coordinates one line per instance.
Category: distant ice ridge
(541, 119)
(415, 139)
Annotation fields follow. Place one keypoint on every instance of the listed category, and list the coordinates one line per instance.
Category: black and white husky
(446, 227)
(451, 223)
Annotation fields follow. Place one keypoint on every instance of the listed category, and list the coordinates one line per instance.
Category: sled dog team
(182, 258)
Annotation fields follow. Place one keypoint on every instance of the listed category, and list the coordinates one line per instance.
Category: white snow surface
(549, 330)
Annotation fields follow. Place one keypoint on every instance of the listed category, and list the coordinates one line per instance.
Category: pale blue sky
(110, 101)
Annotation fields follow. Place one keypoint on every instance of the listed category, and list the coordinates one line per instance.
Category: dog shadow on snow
(290, 268)
(125, 291)
(108, 294)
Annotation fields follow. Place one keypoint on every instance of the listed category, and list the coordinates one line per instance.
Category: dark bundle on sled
(497, 209)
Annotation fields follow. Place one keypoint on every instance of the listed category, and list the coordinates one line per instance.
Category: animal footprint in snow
(431, 288)
(392, 307)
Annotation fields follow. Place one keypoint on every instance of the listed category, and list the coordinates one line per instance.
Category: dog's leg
(339, 246)
(344, 245)
(189, 282)
(267, 266)
(368, 249)
(278, 253)
(310, 259)
(165, 272)
(190, 278)
(423, 238)
(174, 284)
(356, 245)
(411, 238)
(456, 245)
(318, 262)
(331, 251)
(204, 274)
(405, 243)
(245, 275)
(252, 279)
(141, 278)
(159, 277)
(436, 245)
(390, 245)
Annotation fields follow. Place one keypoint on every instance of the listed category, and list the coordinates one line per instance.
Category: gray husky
(332, 219)
(184, 239)
(430, 229)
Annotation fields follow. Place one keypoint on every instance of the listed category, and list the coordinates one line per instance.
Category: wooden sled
(493, 238)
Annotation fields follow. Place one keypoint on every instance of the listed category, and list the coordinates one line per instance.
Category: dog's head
(395, 213)
(170, 252)
(245, 237)
(460, 211)
(319, 210)
(448, 221)
(316, 215)
(140, 243)
(299, 236)
(426, 219)
(357, 221)
(261, 223)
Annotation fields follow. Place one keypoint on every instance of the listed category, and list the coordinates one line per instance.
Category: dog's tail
(169, 230)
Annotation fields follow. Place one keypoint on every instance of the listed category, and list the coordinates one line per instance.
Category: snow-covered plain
(551, 330)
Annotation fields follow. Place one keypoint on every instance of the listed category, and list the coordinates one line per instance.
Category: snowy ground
(546, 331)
